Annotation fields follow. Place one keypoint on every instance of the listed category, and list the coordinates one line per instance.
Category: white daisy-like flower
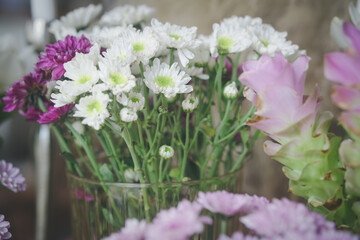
(196, 72)
(166, 151)
(127, 15)
(78, 126)
(266, 40)
(179, 37)
(230, 91)
(93, 109)
(232, 35)
(128, 115)
(62, 98)
(105, 36)
(135, 100)
(116, 76)
(144, 44)
(82, 73)
(161, 78)
(74, 21)
(202, 52)
(131, 176)
(190, 103)
(120, 50)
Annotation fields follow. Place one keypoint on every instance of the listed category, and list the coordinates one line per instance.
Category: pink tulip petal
(351, 121)
(342, 68)
(353, 34)
(346, 98)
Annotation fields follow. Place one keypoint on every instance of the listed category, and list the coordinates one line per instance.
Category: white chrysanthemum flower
(93, 109)
(161, 78)
(173, 36)
(232, 35)
(105, 36)
(230, 91)
(74, 21)
(128, 115)
(62, 98)
(196, 72)
(266, 40)
(355, 13)
(144, 44)
(166, 151)
(116, 76)
(190, 103)
(82, 73)
(131, 176)
(120, 50)
(202, 52)
(127, 15)
(135, 100)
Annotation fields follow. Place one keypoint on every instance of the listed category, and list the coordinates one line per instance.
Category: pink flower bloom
(11, 177)
(278, 95)
(134, 230)
(178, 223)
(54, 114)
(57, 54)
(238, 236)
(230, 204)
(81, 194)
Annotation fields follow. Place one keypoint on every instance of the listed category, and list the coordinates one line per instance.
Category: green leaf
(69, 157)
(174, 173)
(108, 216)
(106, 173)
(209, 130)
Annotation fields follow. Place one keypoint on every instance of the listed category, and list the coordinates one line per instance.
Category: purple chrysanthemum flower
(18, 94)
(4, 226)
(230, 204)
(283, 219)
(134, 230)
(238, 236)
(178, 223)
(57, 54)
(53, 114)
(11, 177)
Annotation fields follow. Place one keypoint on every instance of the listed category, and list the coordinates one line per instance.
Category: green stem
(186, 147)
(218, 83)
(161, 169)
(171, 56)
(235, 64)
(223, 226)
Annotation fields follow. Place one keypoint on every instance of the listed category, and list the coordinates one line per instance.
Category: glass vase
(99, 209)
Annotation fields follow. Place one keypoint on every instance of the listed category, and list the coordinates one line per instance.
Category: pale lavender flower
(11, 177)
(178, 223)
(230, 204)
(4, 226)
(134, 230)
(238, 236)
(283, 219)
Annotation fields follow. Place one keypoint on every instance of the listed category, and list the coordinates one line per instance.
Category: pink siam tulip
(344, 68)
(57, 54)
(230, 204)
(277, 87)
(134, 230)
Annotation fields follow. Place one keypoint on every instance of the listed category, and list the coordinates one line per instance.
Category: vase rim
(137, 185)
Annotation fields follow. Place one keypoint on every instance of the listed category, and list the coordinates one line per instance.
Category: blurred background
(306, 21)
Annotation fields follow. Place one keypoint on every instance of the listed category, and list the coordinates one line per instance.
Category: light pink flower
(230, 204)
(178, 223)
(278, 95)
(133, 230)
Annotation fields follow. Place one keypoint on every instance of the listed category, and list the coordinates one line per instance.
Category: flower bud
(128, 115)
(190, 103)
(166, 151)
(230, 91)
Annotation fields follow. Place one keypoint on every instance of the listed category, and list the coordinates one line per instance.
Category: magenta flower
(11, 177)
(54, 114)
(230, 204)
(283, 219)
(238, 236)
(4, 226)
(81, 194)
(57, 54)
(178, 223)
(134, 230)
(277, 87)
